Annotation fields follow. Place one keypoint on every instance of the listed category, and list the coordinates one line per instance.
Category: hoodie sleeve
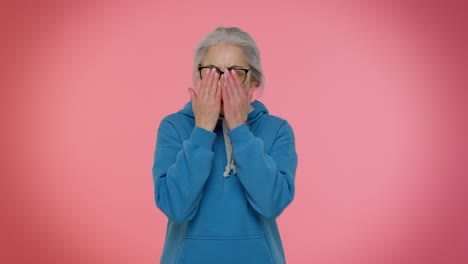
(180, 170)
(268, 179)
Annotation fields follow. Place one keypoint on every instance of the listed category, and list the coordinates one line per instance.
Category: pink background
(377, 95)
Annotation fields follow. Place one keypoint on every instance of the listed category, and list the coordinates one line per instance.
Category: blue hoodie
(218, 219)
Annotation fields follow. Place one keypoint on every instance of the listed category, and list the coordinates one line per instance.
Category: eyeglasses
(241, 73)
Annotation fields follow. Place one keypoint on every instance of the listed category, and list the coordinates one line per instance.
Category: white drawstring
(230, 161)
(230, 166)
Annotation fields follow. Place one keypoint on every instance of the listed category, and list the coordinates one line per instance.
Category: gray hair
(235, 36)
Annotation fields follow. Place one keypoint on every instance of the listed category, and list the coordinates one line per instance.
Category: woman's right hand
(206, 103)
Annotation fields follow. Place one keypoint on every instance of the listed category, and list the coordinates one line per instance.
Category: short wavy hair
(234, 36)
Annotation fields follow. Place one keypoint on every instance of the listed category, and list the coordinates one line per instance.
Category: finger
(237, 79)
(218, 93)
(227, 87)
(202, 90)
(214, 84)
(207, 84)
(224, 90)
(232, 87)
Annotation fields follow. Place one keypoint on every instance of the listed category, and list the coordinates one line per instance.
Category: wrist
(240, 134)
(210, 126)
(234, 125)
(202, 138)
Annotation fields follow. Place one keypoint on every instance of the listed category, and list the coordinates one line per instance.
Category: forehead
(224, 55)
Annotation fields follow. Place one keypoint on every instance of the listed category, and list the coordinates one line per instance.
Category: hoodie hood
(256, 113)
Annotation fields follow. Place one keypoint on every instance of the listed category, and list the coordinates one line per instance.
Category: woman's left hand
(236, 100)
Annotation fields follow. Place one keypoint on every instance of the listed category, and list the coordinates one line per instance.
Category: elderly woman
(224, 168)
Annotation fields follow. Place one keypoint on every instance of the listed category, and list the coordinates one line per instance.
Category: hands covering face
(236, 100)
(206, 103)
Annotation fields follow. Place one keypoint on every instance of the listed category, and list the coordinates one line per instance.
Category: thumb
(250, 94)
(193, 93)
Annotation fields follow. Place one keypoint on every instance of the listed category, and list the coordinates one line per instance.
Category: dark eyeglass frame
(200, 68)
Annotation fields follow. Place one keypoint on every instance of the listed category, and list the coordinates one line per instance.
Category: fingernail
(233, 72)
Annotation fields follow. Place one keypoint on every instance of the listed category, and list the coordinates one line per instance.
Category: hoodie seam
(175, 128)
(277, 134)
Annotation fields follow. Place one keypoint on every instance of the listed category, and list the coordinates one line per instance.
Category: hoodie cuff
(240, 134)
(202, 138)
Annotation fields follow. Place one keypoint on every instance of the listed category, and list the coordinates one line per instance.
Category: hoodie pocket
(245, 250)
